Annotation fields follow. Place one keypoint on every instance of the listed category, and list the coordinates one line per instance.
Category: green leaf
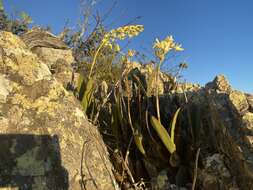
(163, 134)
(86, 100)
(79, 88)
(25, 17)
(173, 125)
(138, 137)
(115, 124)
(1, 5)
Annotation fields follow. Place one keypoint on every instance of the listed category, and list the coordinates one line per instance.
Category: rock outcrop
(46, 141)
(222, 121)
(231, 130)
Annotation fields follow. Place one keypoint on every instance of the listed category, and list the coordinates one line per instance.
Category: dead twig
(125, 161)
(100, 107)
(84, 157)
(195, 170)
(83, 181)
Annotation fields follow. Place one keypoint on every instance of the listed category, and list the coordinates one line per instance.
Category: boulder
(220, 84)
(54, 53)
(37, 37)
(46, 141)
(51, 55)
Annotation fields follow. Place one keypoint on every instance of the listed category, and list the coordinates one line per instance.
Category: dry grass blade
(195, 170)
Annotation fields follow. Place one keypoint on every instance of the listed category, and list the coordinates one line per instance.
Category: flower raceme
(109, 39)
(122, 33)
(163, 47)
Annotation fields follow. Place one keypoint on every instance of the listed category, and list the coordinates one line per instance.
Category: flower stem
(95, 58)
(157, 92)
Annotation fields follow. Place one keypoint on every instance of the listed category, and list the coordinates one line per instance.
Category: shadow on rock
(31, 162)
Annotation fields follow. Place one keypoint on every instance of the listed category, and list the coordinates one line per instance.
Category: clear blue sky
(217, 34)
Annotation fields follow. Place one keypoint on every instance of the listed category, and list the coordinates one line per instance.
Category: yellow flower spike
(120, 33)
(113, 35)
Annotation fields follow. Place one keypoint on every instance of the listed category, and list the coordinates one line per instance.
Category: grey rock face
(228, 126)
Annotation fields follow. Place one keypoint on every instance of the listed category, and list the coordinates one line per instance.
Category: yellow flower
(163, 47)
(110, 46)
(169, 39)
(125, 31)
(178, 47)
(131, 53)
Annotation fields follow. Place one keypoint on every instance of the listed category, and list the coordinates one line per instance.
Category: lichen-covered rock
(238, 101)
(64, 73)
(50, 55)
(18, 63)
(48, 47)
(248, 121)
(186, 87)
(4, 88)
(250, 101)
(54, 53)
(46, 140)
(220, 84)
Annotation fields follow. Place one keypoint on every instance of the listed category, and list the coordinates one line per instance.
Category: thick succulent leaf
(79, 88)
(173, 125)
(163, 134)
(86, 100)
(138, 137)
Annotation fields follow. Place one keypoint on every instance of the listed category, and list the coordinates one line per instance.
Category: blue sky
(217, 34)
